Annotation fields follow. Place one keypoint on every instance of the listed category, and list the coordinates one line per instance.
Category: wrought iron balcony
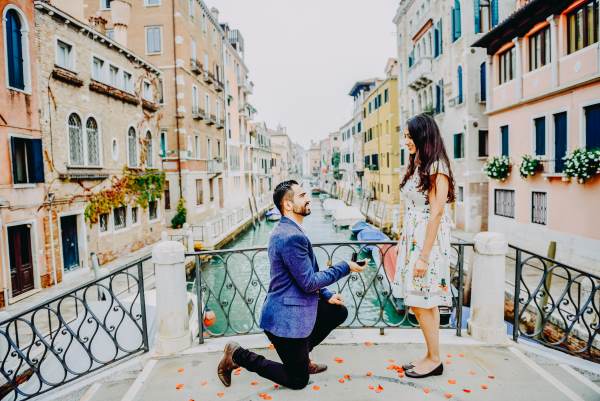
(419, 75)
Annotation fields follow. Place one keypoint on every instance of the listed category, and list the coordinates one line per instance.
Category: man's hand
(336, 299)
(356, 268)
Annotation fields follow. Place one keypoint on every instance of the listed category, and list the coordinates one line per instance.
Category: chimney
(215, 13)
(120, 13)
(72, 7)
(98, 23)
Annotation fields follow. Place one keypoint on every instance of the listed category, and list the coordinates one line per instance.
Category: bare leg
(429, 321)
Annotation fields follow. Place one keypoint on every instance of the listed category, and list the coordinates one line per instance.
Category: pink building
(22, 260)
(543, 74)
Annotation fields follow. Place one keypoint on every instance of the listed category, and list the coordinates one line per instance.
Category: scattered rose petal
(371, 387)
(484, 386)
(369, 374)
(339, 360)
(180, 370)
(400, 374)
(220, 395)
(347, 377)
(379, 389)
(449, 355)
(448, 395)
(426, 390)
(271, 346)
(461, 355)
(204, 383)
(178, 386)
(448, 362)
(491, 377)
(368, 344)
(341, 380)
(253, 383)
(452, 381)
(316, 388)
(276, 386)
(391, 360)
(237, 371)
(466, 390)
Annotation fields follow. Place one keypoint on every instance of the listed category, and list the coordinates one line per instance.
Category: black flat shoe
(435, 372)
(408, 366)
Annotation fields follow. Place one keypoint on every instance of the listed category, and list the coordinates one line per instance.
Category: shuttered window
(27, 160)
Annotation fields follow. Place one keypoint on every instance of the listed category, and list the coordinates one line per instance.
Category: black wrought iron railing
(233, 283)
(556, 305)
(76, 333)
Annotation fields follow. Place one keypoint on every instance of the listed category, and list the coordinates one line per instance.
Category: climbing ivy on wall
(134, 187)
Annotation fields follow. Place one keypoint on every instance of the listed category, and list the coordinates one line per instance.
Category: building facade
(440, 74)
(381, 137)
(22, 189)
(100, 128)
(346, 176)
(189, 50)
(544, 103)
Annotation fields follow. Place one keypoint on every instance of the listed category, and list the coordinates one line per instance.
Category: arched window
(132, 148)
(460, 84)
(149, 153)
(16, 39)
(75, 140)
(93, 146)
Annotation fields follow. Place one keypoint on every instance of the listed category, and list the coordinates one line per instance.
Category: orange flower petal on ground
(448, 362)
(466, 390)
(400, 374)
(339, 360)
(448, 395)
(237, 372)
(180, 370)
(484, 386)
(491, 377)
(391, 360)
(178, 386)
(220, 395)
(316, 388)
(204, 383)
(368, 344)
(452, 381)
(379, 389)
(341, 380)
(461, 355)
(371, 387)
(347, 377)
(369, 374)
(271, 346)
(276, 386)
(449, 355)
(426, 390)
(253, 383)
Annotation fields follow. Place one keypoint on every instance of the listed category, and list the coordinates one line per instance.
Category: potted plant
(498, 167)
(530, 165)
(582, 164)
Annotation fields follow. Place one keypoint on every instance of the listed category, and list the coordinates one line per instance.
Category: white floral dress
(433, 289)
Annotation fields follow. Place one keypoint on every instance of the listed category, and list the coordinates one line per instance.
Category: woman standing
(423, 275)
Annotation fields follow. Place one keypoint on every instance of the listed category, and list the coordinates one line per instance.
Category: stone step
(108, 391)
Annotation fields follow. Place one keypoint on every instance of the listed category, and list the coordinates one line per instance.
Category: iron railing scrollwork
(556, 305)
(233, 284)
(74, 334)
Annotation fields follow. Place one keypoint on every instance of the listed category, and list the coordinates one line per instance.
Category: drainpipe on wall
(176, 102)
(52, 248)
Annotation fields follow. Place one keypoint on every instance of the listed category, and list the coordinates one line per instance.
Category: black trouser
(293, 352)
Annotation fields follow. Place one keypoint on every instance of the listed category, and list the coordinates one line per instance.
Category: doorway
(21, 261)
(70, 243)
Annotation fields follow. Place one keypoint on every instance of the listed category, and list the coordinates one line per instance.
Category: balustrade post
(174, 333)
(486, 322)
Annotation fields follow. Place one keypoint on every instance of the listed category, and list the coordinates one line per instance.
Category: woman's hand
(420, 268)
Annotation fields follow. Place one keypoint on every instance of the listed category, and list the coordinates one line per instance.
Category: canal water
(235, 281)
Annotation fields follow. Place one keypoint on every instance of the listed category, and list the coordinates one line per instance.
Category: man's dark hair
(281, 190)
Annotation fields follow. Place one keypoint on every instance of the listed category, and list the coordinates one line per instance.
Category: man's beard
(302, 211)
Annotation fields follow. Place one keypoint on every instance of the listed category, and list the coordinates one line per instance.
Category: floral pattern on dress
(433, 288)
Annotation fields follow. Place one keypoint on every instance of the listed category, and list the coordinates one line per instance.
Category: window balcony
(220, 124)
(219, 86)
(195, 66)
(198, 114)
(215, 166)
(248, 87)
(208, 77)
(212, 120)
(420, 74)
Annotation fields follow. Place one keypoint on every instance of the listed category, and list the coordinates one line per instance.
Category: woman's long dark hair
(425, 133)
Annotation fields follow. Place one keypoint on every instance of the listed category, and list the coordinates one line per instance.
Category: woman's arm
(438, 196)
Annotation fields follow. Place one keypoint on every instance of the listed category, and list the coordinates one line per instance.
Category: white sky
(305, 55)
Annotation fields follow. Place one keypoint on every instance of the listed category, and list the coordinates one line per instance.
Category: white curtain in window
(93, 149)
(75, 140)
(132, 147)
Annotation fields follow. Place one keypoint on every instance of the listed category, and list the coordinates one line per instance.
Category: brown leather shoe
(315, 368)
(226, 366)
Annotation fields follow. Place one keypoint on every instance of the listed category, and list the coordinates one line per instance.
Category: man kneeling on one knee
(299, 311)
